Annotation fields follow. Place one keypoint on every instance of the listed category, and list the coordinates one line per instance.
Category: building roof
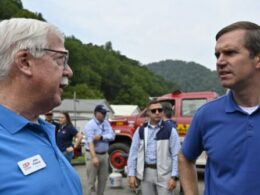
(81, 105)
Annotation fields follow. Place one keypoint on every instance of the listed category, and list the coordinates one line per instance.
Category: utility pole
(75, 108)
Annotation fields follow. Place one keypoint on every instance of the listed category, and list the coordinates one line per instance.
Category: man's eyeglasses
(156, 109)
(62, 60)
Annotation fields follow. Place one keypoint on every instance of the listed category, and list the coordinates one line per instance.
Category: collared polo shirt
(20, 139)
(65, 136)
(231, 139)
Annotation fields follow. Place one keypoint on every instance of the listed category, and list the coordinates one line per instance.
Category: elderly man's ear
(258, 61)
(23, 60)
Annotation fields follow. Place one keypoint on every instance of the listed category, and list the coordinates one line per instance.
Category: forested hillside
(189, 76)
(99, 71)
(102, 72)
(14, 9)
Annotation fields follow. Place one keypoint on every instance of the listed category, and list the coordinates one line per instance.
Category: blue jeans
(68, 155)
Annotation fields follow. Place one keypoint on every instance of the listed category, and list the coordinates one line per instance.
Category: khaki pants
(99, 174)
(150, 185)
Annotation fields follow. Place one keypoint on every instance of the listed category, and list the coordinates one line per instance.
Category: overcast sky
(149, 30)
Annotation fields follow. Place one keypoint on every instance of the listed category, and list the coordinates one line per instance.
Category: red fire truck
(184, 106)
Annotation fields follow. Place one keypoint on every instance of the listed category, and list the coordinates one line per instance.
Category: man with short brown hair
(153, 154)
(228, 127)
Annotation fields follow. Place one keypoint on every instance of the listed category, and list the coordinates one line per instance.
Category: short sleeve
(193, 146)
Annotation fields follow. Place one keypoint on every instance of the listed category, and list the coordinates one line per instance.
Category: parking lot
(125, 190)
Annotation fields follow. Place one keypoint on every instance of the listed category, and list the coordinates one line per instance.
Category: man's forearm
(92, 150)
(188, 176)
(109, 136)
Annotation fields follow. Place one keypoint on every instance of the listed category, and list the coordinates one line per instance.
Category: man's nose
(221, 60)
(68, 71)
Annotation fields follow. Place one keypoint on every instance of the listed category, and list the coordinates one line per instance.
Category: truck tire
(118, 153)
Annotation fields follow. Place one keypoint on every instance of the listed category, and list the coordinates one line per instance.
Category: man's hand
(133, 182)
(69, 149)
(95, 161)
(171, 184)
(97, 137)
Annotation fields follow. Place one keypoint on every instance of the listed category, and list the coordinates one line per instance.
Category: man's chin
(226, 84)
(158, 120)
(57, 101)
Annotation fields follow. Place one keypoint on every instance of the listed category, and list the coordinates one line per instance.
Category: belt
(97, 152)
(152, 166)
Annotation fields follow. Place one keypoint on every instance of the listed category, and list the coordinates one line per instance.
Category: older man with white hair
(33, 74)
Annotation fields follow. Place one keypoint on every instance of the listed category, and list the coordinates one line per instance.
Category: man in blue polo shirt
(33, 73)
(228, 128)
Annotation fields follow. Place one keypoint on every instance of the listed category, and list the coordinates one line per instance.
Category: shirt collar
(231, 105)
(98, 122)
(157, 126)
(7, 118)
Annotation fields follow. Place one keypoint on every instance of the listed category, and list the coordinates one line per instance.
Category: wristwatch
(174, 178)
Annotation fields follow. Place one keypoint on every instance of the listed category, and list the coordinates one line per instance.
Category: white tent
(125, 110)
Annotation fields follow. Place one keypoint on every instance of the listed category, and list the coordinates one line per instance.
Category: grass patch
(78, 160)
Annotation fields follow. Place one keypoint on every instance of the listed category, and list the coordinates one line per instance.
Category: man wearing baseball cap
(98, 134)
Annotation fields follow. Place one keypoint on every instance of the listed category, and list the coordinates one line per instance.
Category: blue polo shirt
(20, 139)
(231, 139)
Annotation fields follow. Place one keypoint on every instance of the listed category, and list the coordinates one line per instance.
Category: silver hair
(20, 33)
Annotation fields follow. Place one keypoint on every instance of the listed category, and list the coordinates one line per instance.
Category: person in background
(98, 134)
(153, 154)
(34, 71)
(167, 113)
(228, 127)
(65, 136)
(49, 118)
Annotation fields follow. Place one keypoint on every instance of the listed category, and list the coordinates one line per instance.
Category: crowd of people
(35, 154)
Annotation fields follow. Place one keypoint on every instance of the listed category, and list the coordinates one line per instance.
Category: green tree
(14, 8)
(108, 46)
(83, 92)
(189, 76)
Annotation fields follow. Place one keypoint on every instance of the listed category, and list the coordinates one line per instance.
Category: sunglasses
(48, 114)
(156, 109)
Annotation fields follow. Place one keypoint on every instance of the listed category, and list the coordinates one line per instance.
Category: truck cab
(184, 106)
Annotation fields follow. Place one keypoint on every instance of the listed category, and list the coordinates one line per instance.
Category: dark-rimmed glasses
(62, 60)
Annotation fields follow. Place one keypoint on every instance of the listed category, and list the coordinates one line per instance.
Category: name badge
(32, 164)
